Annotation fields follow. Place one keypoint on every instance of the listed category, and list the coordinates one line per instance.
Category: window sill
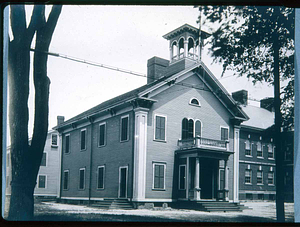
(123, 141)
(99, 146)
(259, 184)
(260, 157)
(100, 189)
(248, 183)
(158, 189)
(271, 185)
(271, 159)
(83, 150)
(191, 104)
(249, 156)
(162, 141)
(54, 146)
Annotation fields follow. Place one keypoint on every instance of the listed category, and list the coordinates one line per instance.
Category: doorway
(208, 178)
(123, 173)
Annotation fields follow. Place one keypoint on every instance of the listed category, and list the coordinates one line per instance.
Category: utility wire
(113, 68)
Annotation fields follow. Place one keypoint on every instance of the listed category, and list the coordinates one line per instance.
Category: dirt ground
(258, 212)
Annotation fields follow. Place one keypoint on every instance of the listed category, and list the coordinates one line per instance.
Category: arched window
(197, 128)
(184, 132)
(191, 47)
(181, 47)
(187, 129)
(195, 102)
(174, 50)
(191, 129)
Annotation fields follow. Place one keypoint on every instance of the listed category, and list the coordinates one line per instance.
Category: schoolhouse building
(178, 138)
(47, 179)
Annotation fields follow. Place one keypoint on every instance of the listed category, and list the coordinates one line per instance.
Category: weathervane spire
(200, 41)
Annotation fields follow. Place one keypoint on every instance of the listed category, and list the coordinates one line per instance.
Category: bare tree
(25, 157)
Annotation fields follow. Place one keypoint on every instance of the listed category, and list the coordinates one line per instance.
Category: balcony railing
(200, 142)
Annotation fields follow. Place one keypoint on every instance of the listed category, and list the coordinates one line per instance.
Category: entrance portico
(203, 173)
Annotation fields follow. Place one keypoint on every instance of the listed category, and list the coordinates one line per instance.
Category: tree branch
(52, 21)
(18, 21)
(37, 20)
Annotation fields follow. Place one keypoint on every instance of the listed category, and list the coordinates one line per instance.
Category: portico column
(185, 44)
(197, 189)
(171, 54)
(226, 181)
(140, 151)
(178, 52)
(194, 52)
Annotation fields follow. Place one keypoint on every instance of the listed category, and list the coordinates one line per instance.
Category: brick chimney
(156, 68)
(60, 119)
(241, 97)
(267, 103)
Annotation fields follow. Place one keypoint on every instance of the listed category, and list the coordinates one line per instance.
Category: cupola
(184, 43)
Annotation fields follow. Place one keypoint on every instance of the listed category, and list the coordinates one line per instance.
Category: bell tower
(184, 44)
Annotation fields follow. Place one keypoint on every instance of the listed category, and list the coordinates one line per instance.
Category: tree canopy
(244, 42)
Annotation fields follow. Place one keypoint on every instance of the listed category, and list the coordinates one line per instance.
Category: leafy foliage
(244, 42)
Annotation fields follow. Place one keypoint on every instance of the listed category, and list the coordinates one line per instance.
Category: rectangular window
(100, 182)
(81, 178)
(248, 176)
(248, 151)
(54, 140)
(260, 196)
(159, 176)
(260, 177)
(67, 148)
(270, 152)
(224, 133)
(102, 134)
(124, 128)
(160, 128)
(66, 180)
(182, 177)
(42, 181)
(271, 178)
(259, 150)
(44, 158)
(83, 139)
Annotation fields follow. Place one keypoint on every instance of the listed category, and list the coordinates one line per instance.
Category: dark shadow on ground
(136, 218)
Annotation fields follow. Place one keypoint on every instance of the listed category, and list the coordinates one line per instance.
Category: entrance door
(207, 179)
(123, 182)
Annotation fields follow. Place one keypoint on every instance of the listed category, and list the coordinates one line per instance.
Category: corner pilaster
(140, 152)
(236, 149)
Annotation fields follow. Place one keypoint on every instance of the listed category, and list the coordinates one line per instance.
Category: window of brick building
(124, 128)
(248, 151)
(259, 152)
(83, 139)
(67, 145)
(248, 176)
(270, 152)
(260, 177)
(81, 178)
(100, 179)
(271, 178)
(66, 180)
(102, 134)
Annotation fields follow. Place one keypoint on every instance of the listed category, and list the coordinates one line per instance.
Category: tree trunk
(25, 158)
(279, 154)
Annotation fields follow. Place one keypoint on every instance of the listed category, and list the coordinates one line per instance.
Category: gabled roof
(260, 118)
(141, 92)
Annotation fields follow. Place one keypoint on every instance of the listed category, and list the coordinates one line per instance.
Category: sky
(120, 36)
